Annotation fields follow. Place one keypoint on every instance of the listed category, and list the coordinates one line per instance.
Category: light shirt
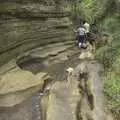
(81, 31)
(87, 27)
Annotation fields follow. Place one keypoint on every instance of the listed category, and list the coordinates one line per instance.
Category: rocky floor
(30, 109)
(68, 97)
(93, 107)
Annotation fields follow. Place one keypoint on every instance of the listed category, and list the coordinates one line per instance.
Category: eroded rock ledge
(17, 86)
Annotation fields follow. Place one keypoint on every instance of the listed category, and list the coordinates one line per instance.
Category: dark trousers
(81, 39)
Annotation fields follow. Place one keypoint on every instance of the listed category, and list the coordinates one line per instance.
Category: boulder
(17, 86)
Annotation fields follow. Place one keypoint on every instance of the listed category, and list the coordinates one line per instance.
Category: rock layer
(27, 24)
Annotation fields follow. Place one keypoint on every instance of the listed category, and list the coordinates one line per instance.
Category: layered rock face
(29, 29)
(27, 24)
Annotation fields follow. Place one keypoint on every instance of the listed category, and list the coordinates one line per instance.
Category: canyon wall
(27, 24)
(39, 28)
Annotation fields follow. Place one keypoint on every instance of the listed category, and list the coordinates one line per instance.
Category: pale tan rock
(82, 56)
(85, 55)
(62, 100)
(17, 86)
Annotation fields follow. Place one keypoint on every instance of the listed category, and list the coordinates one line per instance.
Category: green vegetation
(106, 13)
(109, 55)
(91, 10)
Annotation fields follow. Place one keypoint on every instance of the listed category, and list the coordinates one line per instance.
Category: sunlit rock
(85, 55)
(17, 86)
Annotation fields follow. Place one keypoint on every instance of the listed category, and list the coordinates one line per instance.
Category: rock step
(50, 52)
(31, 37)
(51, 46)
(21, 80)
(62, 56)
(24, 84)
(45, 51)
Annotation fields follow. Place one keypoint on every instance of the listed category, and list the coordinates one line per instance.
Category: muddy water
(57, 70)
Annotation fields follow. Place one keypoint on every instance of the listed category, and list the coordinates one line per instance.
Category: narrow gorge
(43, 74)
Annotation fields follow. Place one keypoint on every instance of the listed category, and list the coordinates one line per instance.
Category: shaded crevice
(78, 111)
(87, 95)
(86, 89)
(27, 60)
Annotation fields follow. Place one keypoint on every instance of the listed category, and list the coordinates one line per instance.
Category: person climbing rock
(87, 28)
(81, 36)
(90, 34)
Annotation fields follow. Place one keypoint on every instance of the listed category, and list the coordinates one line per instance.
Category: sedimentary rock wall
(26, 24)
(30, 29)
